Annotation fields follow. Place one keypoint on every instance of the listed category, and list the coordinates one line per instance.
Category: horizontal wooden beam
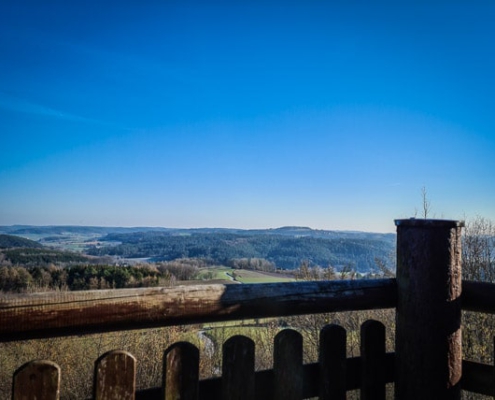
(478, 378)
(210, 389)
(478, 296)
(52, 314)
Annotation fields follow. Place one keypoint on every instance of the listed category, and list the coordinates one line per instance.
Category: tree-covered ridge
(11, 241)
(285, 251)
(41, 256)
(69, 229)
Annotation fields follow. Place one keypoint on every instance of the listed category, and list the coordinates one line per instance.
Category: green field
(240, 275)
(248, 276)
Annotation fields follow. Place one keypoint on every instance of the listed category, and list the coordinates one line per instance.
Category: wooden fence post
(115, 376)
(373, 361)
(428, 343)
(288, 365)
(37, 380)
(181, 372)
(333, 362)
(238, 378)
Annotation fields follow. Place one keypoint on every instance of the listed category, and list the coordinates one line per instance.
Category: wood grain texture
(181, 372)
(37, 380)
(72, 313)
(115, 376)
(428, 343)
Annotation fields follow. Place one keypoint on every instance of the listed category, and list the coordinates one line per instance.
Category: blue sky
(251, 114)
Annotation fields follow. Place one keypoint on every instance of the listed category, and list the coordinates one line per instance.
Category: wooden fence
(427, 362)
(330, 378)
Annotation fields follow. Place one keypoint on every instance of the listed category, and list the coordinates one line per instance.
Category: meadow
(232, 275)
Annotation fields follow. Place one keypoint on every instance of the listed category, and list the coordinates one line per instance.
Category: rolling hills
(285, 247)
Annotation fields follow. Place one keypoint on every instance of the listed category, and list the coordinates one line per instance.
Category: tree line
(21, 278)
(60, 273)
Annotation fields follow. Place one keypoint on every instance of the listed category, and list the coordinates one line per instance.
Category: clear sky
(245, 114)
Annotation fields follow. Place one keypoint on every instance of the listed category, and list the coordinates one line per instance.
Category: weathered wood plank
(73, 313)
(287, 365)
(428, 339)
(478, 296)
(332, 359)
(115, 376)
(478, 378)
(372, 361)
(37, 380)
(211, 389)
(238, 379)
(181, 372)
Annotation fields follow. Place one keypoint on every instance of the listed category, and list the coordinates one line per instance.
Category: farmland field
(241, 275)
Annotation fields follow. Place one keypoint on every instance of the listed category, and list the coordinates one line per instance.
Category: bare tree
(425, 202)
(478, 263)
(478, 250)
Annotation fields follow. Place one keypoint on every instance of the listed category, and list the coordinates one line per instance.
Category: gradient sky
(247, 114)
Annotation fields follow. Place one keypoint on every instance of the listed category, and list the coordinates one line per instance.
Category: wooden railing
(427, 363)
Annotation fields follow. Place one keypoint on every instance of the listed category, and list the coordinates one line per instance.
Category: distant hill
(38, 257)
(71, 229)
(286, 247)
(11, 241)
(296, 231)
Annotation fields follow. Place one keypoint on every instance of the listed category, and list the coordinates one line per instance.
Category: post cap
(429, 223)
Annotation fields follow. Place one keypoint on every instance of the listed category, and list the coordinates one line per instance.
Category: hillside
(286, 250)
(41, 256)
(11, 241)
(53, 230)
(287, 247)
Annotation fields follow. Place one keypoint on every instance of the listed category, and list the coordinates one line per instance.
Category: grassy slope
(248, 276)
(222, 273)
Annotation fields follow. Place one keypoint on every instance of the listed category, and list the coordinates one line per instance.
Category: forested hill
(54, 230)
(286, 247)
(90, 231)
(11, 241)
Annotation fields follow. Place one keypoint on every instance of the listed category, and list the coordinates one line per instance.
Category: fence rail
(40, 315)
(427, 362)
(478, 296)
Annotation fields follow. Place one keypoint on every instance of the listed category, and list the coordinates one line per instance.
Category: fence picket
(332, 359)
(238, 382)
(115, 376)
(181, 372)
(288, 365)
(38, 379)
(372, 360)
